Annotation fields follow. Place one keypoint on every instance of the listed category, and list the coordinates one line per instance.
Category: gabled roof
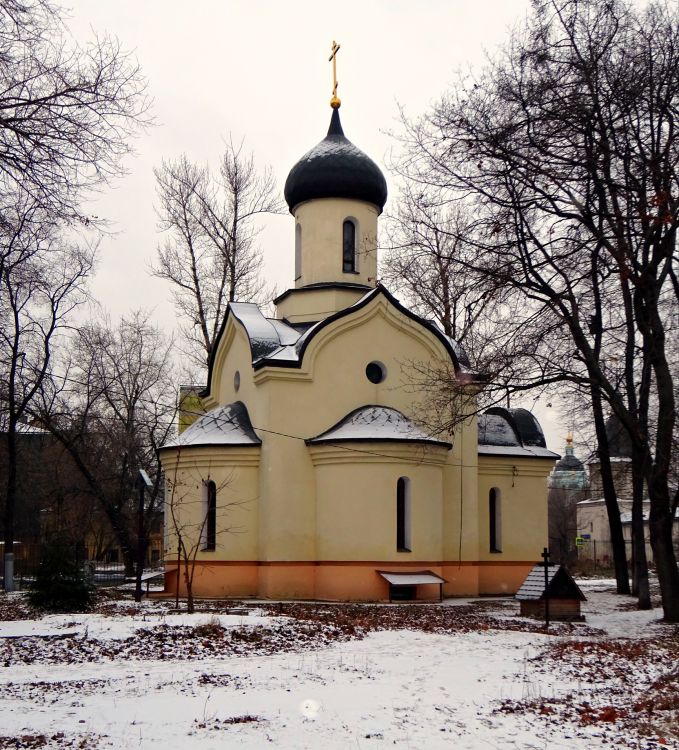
(225, 425)
(561, 585)
(374, 423)
(274, 343)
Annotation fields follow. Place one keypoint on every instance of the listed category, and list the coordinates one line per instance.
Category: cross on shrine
(335, 101)
(545, 557)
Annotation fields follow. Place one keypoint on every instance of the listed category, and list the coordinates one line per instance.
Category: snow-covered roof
(372, 422)
(265, 336)
(225, 425)
(26, 429)
(626, 517)
(511, 432)
(559, 583)
(534, 585)
(279, 344)
(494, 429)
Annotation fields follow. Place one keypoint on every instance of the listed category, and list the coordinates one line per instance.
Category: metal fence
(597, 556)
(591, 556)
(27, 560)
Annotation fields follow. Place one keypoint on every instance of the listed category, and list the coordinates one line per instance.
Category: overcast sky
(259, 71)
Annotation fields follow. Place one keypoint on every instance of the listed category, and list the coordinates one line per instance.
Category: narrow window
(298, 251)
(349, 246)
(210, 525)
(403, 515)
(495, 520)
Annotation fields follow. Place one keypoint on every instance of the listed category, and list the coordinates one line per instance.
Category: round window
(236, 381)
(376, 372)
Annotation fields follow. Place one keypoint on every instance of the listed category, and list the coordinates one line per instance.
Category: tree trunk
(639, 562)
(661, 523)
(188, 580)
(10, 503)
(610, 498)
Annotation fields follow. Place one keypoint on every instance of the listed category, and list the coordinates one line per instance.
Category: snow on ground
(469, 674)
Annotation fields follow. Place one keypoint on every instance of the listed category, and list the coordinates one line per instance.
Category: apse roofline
(319, 439)
(418, 441)
(198, 446)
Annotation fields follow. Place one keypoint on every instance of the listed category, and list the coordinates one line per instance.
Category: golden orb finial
(569, 439)
(335, 101)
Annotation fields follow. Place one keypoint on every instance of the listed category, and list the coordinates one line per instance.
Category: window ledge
(496, 552)
(403, 549)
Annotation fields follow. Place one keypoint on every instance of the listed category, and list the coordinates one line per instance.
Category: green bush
(61, 584)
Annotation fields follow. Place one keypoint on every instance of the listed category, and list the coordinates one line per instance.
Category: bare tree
(426, 247)
(190, 527)
(37, 299)
(568, 144)
(210, 256)
(111, 410)
(66, 112)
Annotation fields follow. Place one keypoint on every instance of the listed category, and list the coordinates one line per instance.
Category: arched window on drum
(349, 246)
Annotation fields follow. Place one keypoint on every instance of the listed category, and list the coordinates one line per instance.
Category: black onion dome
(335, 168)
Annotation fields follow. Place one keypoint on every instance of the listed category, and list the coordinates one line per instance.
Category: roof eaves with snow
(225, 426)
(374, 423)
(517, 451)
(512, 432)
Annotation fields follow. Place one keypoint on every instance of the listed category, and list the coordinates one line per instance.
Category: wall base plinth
(342, 581)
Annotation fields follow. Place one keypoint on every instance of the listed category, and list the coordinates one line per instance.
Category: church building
(313, 474)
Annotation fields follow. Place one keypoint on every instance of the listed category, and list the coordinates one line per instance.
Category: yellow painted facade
(309, 463)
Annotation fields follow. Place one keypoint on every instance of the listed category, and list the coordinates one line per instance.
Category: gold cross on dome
(335, 101)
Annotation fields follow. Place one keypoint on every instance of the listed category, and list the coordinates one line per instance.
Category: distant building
(568, 485)
(592, 517)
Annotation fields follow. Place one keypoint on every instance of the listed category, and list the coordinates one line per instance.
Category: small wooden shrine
(562, 591)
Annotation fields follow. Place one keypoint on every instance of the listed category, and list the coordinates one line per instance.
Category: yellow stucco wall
(236, 476)
(356, 501)
(321, 225)
(524, 533)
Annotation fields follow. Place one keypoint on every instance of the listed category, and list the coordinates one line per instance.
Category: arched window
(495, 520)
(210, 519)
(349, 246)
(298, 251)
(403, 515)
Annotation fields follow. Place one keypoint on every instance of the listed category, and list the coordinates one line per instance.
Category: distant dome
(335, 168)
(569, 473)
(569, 463)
